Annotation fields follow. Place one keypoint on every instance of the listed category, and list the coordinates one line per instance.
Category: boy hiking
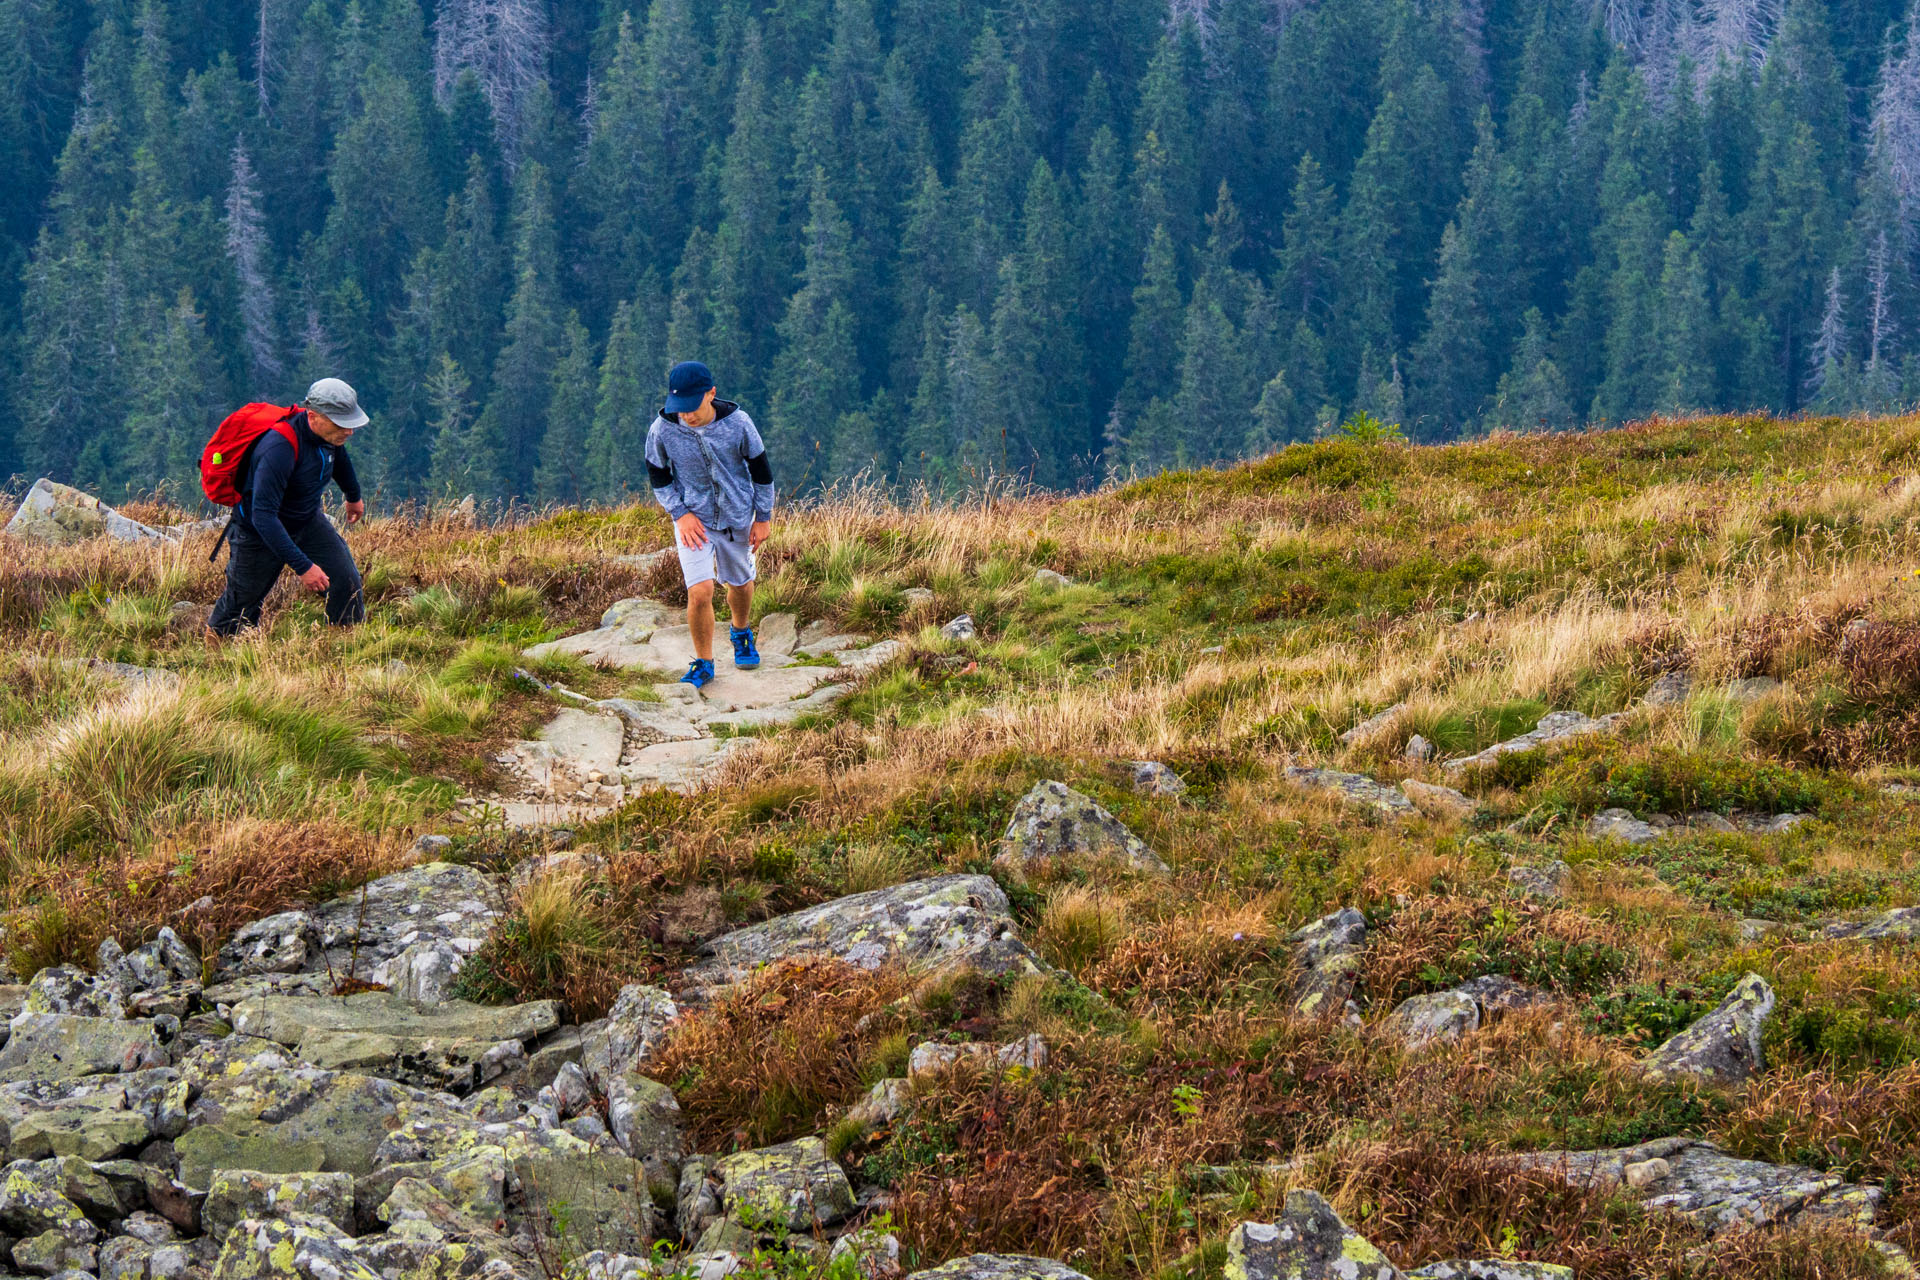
(709, 469)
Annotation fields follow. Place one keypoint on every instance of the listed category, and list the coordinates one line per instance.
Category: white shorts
(728, 551)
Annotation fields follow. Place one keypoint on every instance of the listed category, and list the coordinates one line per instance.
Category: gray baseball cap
(338, 401)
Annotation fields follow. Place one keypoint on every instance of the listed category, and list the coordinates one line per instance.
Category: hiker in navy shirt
(279, 524)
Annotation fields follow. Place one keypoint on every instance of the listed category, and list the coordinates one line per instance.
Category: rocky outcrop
(1056, 826)
(1328, 953)
(1902, 924)
(1724, 1046)
(1622, 825)
(454, 1045)
(1554, 727)
(927, 925)
(1355, 789)
(61, 515)
(1151, 778)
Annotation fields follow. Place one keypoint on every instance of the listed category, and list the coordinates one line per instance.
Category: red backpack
(226, 453)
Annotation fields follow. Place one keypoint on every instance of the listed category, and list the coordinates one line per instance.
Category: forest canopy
(933, 241)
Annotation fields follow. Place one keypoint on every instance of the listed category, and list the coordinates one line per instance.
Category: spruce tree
(564, 474)
(1532, 395)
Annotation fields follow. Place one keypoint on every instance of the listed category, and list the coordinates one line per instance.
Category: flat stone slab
(585, 739)
(820, 700)
(678, 766)
(449, 1045)
(1716, 1190)
(1555, 726)
(924, 924)
(1355, 789)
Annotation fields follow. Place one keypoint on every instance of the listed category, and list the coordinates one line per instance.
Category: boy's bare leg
(740, 604)
(700, 617)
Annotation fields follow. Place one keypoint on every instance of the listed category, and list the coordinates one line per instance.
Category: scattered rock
(960, 628)
(1151, 778)
(1051, 580)
(1417, 751)
(1054, 825)
(1753, 930)
(1555, 726)
(1355, 789)
(1724, 1046)
(1902, 924)
(430, 846)
(1439, 1017)
(883, 1104)
(1442, 803)
(916, 597)
(1328, 953)
(1029, 1054)
(61, 515)
(925, 924)
(1716, 1190)
(1308, 1241)
(1548, 883)
(135, 677)
(999, 1266)
(1376, 723)
(795, 1186)
(1670, 690)
(1620, 824)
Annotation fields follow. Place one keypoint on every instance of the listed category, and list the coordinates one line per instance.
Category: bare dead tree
(1895, 127)
(505, 44)
(247, 249)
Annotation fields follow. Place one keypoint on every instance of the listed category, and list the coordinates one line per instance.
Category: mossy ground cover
(1229, 623)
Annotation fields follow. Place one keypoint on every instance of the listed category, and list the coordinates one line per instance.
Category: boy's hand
(693, 534)
(759, 533)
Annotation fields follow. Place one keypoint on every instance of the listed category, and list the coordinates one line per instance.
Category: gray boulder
(632, 1032)
(1438, 1017)
(1902, 924)
(960, 628)
(1552, 728)
(1054, 825)
(60, 515)
(1492, 1269)
(1548, 883)
(795, 1185)
(452, 1045)
(1443, 803)
(239, 1194)
(1620, 824)
(67, 989)
(1356, 789)
(999, 1266)
(1308, 1241)
(55, 1046)
(291, 1248)
(1724, 1046)
(1375, 723)
(1328, 953)
(926, 925)
(1670, 690)
(1151, 778)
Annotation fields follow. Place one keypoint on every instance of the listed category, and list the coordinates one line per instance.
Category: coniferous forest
(934, 240)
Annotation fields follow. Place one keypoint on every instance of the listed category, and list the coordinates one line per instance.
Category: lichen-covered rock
(239, 1194)
(283, 943)
(1497, 993)
(292, 1248)
(644, 1118)
(925, 925)
(444, 1046)
(633, 1030)
(1054, 825)
(1438, 1017)
(999, 1266)
(1151, 778)
(34, 1199)
(1378, 722)
(53, 1253)
(60, 515)
(1902, 924)
(1621, 825)
(125, 1258)
(161, 962)
(56, 1046)
(960, 628)
(593, 1199)
(424, 973)
(1554, 727)
(697, 1200)
(1723, 1046)
(1308, 1241)
(1492, 1269)
(1548, 883)
(795, 1185)
(883, 1104)
(64, 988)
(90, 1133)
(1355, 789)
(1716, 1190)
(1029, 1054)
(1328, 953)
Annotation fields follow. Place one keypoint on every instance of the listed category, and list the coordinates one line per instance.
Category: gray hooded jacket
(719, 472)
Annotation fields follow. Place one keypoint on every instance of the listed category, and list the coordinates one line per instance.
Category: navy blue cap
(687, 385)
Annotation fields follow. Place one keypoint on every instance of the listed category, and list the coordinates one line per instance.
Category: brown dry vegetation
(1480, 585)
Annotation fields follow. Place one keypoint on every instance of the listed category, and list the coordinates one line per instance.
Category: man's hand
(759, 533)
(693, 534)
(315, 578)
(356, 512)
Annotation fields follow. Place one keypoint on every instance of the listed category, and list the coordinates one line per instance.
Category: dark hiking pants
(252, 570)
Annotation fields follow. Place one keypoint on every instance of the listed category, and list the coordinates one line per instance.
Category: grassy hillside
(1231, 624)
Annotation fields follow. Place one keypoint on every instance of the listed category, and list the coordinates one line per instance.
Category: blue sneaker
(699, 673)
(744, 654)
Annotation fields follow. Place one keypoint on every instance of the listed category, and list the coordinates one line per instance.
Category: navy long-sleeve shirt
(284, 492)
